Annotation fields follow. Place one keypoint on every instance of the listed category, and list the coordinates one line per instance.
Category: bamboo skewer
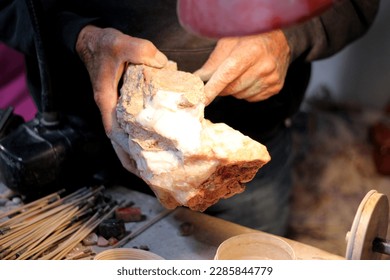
(37, 219)
(80, 255)
(52, 224)
(45, 232)
(51, 242)
(138, 231)
(35, 235)
(60, 234)
(49, 209)
(15, 237)
(29, 232)
(42, 208)
(25, 212)
(77, 196)
(86, 229)
(31, 204)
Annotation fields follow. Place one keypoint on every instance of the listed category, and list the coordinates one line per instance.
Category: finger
(267, 93)
(256, 81)
(120, 142)
(141, 51)
(241, 84)
(229, 70)
(218, 55)
(244, 88)
(107, 103)
(105, 90)
(257, 92)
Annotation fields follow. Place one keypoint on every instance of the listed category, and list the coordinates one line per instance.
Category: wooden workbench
(165, 238)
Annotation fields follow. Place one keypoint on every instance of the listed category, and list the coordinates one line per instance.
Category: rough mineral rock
(184, 158)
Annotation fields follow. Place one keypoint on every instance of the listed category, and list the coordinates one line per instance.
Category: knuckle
(278, 87)
(146, 45)
(112, 43)
(269, 65)
(143, 48)
(231, 64)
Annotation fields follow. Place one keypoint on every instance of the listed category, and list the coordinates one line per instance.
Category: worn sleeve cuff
(325, 35)
(302, 37)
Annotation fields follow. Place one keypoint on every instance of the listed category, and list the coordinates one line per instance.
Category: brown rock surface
(184, 158)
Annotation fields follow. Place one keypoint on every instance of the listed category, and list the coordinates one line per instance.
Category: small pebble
(112, 241)
(112, 228)
(129, 214)
(16, 200)
(90, 240)
(3, 201)
(186, 229)
(10, 204)
(144, 247)
(102, 242)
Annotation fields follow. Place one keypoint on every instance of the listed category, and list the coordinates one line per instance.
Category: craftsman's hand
(251, 67)
(105, 53)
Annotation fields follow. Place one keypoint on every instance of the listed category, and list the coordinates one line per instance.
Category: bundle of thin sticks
(50, 227)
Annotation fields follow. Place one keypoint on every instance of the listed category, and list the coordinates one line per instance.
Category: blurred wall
(360, 73)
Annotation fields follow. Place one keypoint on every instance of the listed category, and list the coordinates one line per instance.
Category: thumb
(159, 60)
(141, 51)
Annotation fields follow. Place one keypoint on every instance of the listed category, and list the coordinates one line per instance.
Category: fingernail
(202, 75)
(161, 59)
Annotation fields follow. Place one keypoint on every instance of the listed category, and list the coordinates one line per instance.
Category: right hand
(253, 67)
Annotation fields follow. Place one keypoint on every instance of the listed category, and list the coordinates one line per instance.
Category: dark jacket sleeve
(17, 32)
(323, 36)
(15, 28)
(70, 25)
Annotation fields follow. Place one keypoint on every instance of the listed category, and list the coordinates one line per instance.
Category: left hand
(251, 67)
(105, 52)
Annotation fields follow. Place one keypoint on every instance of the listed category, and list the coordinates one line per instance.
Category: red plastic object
(224, 18)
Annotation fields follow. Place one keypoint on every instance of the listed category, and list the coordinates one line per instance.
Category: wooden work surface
(165, 237)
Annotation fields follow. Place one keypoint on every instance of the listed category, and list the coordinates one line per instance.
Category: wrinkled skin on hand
(251, 67)
(105, 52)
